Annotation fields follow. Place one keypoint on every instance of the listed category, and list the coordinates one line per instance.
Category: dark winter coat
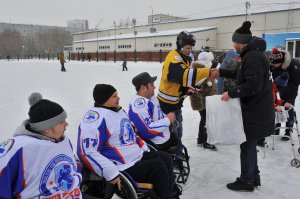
(198, 99)
(292, 66)
(254, 88)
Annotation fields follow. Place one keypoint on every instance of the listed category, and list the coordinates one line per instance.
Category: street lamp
(135, 33)
(97, 46)
(247, 5)
(115, 41)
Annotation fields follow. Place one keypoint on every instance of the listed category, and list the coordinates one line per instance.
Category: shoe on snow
(240, 185)
(209, 146)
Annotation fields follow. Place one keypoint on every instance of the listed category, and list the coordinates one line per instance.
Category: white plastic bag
(224, 121)
(281, 116)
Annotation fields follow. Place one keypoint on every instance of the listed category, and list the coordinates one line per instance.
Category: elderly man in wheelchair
(154, 126)
(108, 147)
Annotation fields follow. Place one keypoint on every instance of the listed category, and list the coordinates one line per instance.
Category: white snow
(210, 171)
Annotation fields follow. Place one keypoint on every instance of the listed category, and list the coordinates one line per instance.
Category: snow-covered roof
(148, 34)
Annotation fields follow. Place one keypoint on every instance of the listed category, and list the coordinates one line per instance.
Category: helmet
(185, 38)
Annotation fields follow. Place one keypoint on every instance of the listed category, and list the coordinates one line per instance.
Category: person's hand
(116, 181)
(278, 109)
(171, 116)
(225, 96)
(214, 73)
(288, 105)
(192, 90)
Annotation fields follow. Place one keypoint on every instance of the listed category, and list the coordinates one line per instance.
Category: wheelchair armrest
(148, 186)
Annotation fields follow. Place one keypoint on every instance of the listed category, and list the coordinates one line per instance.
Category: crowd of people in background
(108, 142)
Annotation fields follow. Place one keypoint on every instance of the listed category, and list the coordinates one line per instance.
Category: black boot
(287, 133)
(209, 146)
(261, 142)
(256, 182)
(240, 185)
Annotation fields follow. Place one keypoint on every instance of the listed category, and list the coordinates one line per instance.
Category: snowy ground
(210, 171)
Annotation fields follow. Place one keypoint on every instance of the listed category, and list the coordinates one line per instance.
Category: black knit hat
(276, 56)
(44, 114)
(243, 34)
(102, 92)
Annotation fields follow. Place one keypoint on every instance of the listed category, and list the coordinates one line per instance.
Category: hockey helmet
(185, 38)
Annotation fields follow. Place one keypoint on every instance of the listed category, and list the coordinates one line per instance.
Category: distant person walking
(124, 65)
(62, 62)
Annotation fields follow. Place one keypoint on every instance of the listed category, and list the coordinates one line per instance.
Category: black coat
(292, 67)
(254, 88)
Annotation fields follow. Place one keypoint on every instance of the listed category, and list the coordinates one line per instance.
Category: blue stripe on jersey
(11, 177)
(104, 148)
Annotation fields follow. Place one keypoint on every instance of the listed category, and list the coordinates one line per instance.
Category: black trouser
(124, 68)
(62, 66)
(248, 156)
(202, 135)
(156, 168)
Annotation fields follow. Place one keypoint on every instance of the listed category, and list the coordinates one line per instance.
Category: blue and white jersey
(149, 119)
(35, 168)
(107, 143)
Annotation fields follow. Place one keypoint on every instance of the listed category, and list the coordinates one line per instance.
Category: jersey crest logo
(60, 169)
(127, 132)
(178, 58)
(139, 103)
(91, 116)
(6, 146)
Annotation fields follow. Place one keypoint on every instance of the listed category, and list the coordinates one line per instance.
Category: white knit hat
(206, 58)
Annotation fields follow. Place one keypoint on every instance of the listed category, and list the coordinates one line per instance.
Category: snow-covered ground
(210, 171)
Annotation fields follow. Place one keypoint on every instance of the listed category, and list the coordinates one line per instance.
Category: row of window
(157, 45)
(80, 48)
(104, 47)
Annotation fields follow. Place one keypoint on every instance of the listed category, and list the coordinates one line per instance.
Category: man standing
(124, 64)
(178, 79)
(254, 88)
(62, 62)
(145, 113)
(282, 62)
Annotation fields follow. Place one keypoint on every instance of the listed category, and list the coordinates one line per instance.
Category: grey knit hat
(44, 114)
(243, 34)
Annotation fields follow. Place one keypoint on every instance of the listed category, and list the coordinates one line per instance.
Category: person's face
(57, 132)
(113, 101)
(238, 47)
(149, 92)
(276, 65)
(186, 50)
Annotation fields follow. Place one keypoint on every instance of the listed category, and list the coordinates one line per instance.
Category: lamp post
(135, 33)
(97, 46)
(115, 41)
(23, 52)
(247, 5)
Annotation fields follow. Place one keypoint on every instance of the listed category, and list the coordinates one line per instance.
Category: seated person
(38, 162)
(107, 145)
(144, 111)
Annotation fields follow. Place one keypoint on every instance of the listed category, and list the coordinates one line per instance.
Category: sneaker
(240, 185)
(286, 138)
(209, 146)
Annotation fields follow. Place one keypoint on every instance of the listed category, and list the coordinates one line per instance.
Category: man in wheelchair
(151, 123)
(107, 145)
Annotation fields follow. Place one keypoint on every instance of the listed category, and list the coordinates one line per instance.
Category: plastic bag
(224, 121)
(281, 116)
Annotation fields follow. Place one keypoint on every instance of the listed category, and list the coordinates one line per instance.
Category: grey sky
(58, 12)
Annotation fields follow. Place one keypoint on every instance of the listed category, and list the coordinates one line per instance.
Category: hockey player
(177, 78)
(144, 111)
(108, 145)
(38, 162)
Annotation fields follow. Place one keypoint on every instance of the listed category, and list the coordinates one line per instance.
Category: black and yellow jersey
(176, 77)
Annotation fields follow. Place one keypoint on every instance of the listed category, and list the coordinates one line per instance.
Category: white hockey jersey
(107, 143)
(38, 168)
(149, 119)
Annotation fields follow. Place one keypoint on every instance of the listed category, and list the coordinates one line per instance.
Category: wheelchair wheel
(299, 150)
(295, 163)
(127, 190)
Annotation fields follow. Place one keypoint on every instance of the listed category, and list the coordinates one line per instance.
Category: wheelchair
(96, 187)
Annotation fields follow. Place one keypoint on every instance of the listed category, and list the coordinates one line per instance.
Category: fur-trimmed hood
(287, 59)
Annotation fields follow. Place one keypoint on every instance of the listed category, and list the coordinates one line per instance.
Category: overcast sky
(102, 12)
